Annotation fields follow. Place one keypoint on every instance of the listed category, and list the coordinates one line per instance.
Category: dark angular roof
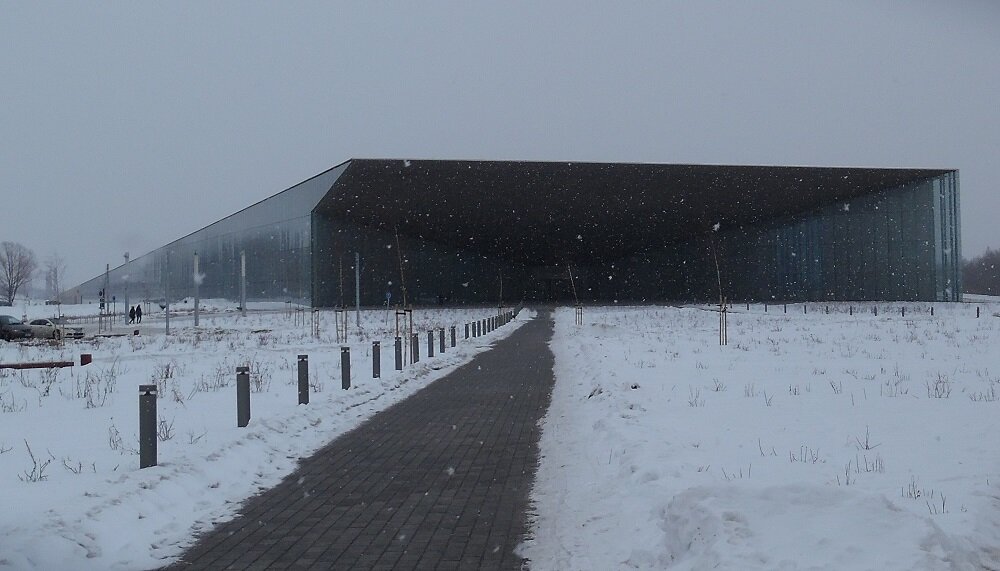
(559, 212)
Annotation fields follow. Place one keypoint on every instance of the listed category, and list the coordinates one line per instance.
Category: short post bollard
(242, 396)
(376, 359)
(466, 330)
(977, 312)
(765, 308)
(399, 353)
(932, 311)
(345, 368)
(851, 310)
(453, 335)
(876, 311)
(415, 348)
(147, 426)
(786, 308)
(303, 379)
(902, 312)
(441, 339)
(430, 344)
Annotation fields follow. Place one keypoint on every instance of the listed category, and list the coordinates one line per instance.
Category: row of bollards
(148, 393)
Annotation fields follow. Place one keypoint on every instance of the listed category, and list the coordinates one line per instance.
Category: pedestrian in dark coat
(138, 314)
(131, 315)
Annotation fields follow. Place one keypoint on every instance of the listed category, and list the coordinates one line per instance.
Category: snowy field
(812, 441)
(77, 499)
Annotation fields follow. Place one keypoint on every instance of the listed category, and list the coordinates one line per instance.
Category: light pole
(126, 278)
(197, 282)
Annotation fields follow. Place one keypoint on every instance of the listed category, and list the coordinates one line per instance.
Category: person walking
(138, 314)
(131, 315)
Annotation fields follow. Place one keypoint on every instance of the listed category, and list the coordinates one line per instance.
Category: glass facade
(900, 244)
(275, 235)
(434, 274)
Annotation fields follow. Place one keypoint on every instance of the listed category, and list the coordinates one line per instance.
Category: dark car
(12, 328)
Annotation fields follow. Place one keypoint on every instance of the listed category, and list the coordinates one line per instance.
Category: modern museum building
(457, 232)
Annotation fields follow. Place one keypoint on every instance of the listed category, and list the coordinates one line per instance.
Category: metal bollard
(242, 396)
(399, 353)
(902, 312)
(765, 308)
(430, 344)
(786, 308)
(466, 330)
(441, 338)
(303, 379)
(851, 311)
(415, 348)
(147, 426)
(345, 368)
(932, 311)
(977, 312)
(376, 359)
(453, 335)
(876, 311)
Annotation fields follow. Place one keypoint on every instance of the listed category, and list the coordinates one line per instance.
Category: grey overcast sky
(126, 125)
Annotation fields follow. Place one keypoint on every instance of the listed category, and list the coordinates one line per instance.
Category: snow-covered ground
(812, 441)
(83, 503)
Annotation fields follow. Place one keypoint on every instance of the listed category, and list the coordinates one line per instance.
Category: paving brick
(438, 481)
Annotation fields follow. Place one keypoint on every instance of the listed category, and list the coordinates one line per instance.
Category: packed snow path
(440, 480)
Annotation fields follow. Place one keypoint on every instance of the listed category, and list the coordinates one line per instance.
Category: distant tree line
(982, 274)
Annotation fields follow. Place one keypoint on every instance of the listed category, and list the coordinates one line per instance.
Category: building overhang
(551, 213)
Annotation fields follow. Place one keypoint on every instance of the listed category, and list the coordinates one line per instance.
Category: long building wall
(275, 235)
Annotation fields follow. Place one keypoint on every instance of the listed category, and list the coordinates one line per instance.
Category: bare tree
(55, 268)
(17, 264)
(982, 274)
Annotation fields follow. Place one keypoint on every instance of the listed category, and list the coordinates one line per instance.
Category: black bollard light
(242, 396)
(147, 426)
(345, 368)
(415, 348)
(441, 339)
(452, 335)
(376, 359)
(466, 330)
(399, 353)
(303, 379)
(430, 344)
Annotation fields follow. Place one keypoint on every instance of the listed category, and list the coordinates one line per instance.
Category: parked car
(52, 329)
(12, 328)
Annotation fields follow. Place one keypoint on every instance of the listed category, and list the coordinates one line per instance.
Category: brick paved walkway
(438, 481)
